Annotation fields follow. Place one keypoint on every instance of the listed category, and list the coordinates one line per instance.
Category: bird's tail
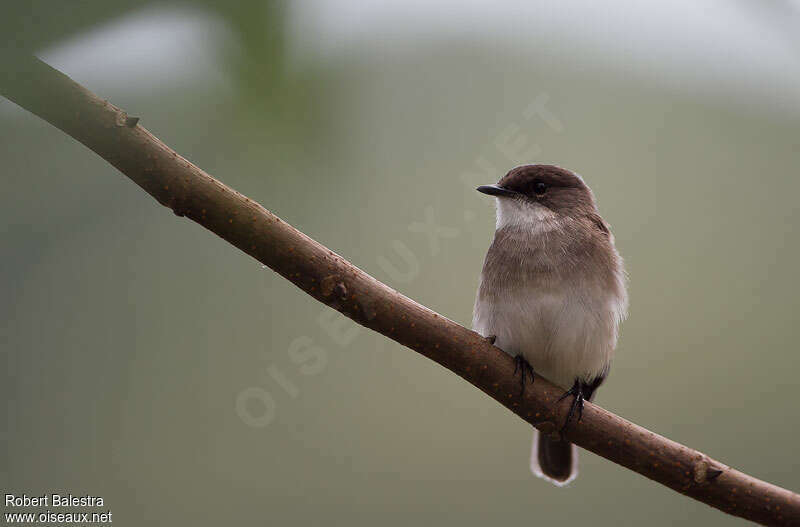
(554, 460)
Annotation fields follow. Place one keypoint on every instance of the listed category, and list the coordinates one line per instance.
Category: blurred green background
(151, 363)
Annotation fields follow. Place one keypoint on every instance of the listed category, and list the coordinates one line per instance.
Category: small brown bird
(552, 293)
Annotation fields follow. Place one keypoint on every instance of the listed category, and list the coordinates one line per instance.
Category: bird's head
(532, 193)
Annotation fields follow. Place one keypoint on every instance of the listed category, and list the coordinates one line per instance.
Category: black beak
(494, 190)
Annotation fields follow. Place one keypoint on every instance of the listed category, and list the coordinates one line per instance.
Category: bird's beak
(495, 190)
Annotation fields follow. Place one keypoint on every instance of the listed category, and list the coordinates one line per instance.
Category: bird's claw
(522, 365)
(577, 403)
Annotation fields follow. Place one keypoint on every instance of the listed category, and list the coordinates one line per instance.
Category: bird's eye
(539, 188)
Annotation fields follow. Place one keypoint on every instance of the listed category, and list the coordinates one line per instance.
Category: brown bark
(188, 191)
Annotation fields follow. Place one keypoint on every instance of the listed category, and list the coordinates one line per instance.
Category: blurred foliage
(255, 60)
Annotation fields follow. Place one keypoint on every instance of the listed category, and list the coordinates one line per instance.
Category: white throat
(513, 212)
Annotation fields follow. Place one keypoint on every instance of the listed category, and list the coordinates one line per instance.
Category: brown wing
(600, 223)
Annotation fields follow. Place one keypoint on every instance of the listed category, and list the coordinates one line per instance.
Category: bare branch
(188, 191)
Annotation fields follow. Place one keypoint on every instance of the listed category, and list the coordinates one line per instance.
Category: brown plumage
(552, 290)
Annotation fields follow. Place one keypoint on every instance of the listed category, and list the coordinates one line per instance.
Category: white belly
(563, 334)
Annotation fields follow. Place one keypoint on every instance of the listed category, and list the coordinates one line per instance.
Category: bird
(552, 294)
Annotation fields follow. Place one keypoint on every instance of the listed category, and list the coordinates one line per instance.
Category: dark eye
(539, 188)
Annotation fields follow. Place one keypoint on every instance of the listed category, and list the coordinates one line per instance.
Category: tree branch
(188, 191)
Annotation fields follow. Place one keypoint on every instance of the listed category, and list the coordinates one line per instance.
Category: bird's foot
(577, 403)
(525, 369)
